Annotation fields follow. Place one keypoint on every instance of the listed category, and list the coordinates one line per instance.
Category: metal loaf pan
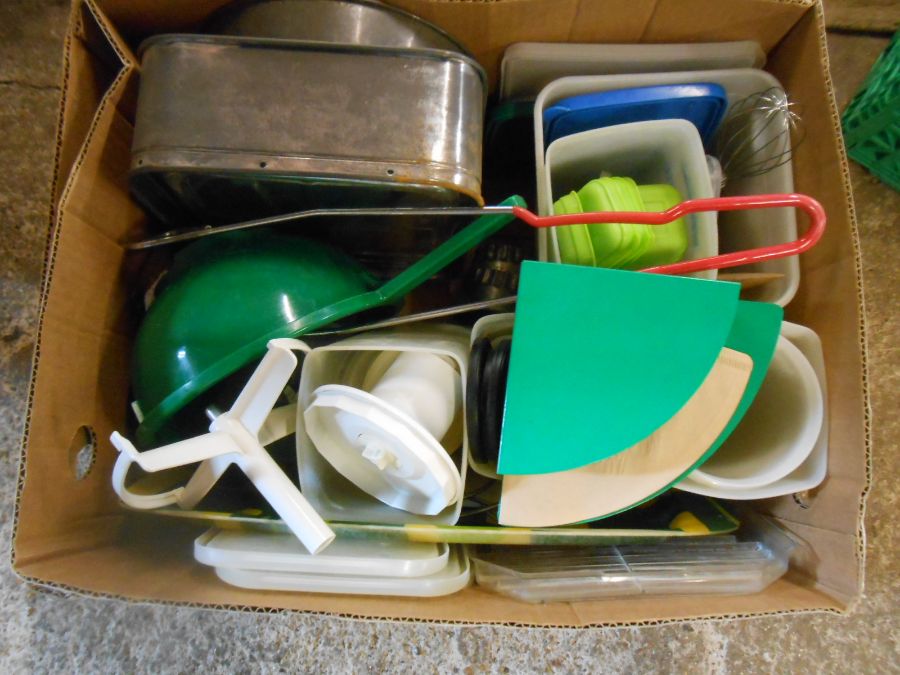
(359, 22)
(230, 128)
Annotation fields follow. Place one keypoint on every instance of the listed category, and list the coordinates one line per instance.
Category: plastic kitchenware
(754, 333)
(719, 565)
(430, 475)
(454, 577)
(778, 432)
(670, 241)
(701, 104)
(491, 329)
(650, 333)
(673, 514)
(575, 247)
(617, 244)
(749, 119)
(489, 392)
(528, 67)
(212, 143)
(387, 441)
(275, 552)
(812, 471)
(639, 472)
(224, 299)
(235, 438)
(358, 22)
(656, 152)
(737, 230)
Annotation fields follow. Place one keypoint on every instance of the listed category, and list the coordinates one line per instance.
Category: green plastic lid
(670, 241)
(574, 241)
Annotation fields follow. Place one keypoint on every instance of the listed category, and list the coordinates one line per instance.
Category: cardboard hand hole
(82, 451)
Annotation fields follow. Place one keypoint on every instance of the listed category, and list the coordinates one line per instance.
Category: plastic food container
(221, 137)
(657, 152)
(570, 575)
(738, 230)
(700, 103)
(274, 552)
(530, 66)
(358, 22)
(360, 568)
(331, 494)
(811, 472)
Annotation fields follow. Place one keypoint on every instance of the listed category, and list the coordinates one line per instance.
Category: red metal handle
(809, 239)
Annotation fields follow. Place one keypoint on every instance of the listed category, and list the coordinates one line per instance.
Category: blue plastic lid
(703, 104)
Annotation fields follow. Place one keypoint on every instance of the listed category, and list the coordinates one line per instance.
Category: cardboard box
(72, 534)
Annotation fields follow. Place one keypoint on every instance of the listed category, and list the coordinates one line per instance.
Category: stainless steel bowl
(358, 22)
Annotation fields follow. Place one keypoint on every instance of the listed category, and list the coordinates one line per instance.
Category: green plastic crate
(872, 120)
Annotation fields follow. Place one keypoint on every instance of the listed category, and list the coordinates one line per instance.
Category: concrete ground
(46, 633)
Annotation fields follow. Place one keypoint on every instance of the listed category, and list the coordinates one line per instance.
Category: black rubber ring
(474, 377)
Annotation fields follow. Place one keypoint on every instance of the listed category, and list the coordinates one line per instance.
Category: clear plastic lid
(708, 565)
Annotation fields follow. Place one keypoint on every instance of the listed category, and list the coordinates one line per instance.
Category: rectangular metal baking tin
(231, 126)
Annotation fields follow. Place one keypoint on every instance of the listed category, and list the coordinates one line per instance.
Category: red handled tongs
(809, 239)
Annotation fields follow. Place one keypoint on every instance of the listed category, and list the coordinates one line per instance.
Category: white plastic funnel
(387, 442)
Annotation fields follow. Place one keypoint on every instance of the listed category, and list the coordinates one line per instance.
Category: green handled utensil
(227, 296)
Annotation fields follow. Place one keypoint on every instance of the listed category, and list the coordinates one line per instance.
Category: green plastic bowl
(223, 299)
(226, 296)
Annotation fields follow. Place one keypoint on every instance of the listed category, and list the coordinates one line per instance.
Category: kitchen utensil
(655, 152)
(701, 104)
(211, 141)
(275, 286)
(338, 482)
(528, 67)
(772, 252)
(708, 565)
(673, 514)
(754, 333)
(639, 472)
(357, 22)
(778, 431)
(419, 317)
(495, 271)
(768, 115)
(630, 348)
(387, 441)
(813, 470)
(235, 438)
(275, 552)
(737, 230)
(452, 578)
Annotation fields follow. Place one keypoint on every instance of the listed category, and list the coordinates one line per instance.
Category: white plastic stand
(236, 437)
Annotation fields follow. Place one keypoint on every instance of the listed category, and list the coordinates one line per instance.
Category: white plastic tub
(662, 151)
(738, 230)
